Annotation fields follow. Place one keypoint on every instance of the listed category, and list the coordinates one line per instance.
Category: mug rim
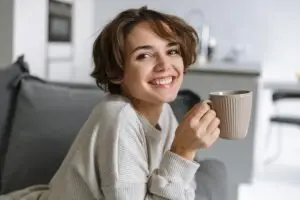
(226, 93)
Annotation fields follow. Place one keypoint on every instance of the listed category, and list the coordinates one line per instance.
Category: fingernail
(208, 102)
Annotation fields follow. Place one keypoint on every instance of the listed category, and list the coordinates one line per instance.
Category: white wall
(6, 30)
(29, 37)
(84, 32)
(283, 38)
(72, 61)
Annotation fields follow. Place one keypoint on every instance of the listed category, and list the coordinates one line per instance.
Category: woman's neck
(150, 111)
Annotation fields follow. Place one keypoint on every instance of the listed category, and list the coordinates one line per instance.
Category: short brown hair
(108, 48)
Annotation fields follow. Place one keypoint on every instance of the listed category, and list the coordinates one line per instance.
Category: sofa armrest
(211, 180)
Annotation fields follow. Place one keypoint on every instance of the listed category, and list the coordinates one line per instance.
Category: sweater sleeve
(173, 179)
(125, 173)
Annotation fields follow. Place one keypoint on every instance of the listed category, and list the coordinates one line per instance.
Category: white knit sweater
(118, 155)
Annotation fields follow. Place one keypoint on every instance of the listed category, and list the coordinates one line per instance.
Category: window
(60, 22)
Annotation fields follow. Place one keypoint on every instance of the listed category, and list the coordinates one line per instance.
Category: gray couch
(38, 122)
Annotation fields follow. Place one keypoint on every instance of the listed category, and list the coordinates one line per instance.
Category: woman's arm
(124, 171)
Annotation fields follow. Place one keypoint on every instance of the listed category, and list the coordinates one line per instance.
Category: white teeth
(163, 81)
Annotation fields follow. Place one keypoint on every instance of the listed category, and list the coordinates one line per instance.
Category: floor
(279, 181)
(265, 190)
(281, 178)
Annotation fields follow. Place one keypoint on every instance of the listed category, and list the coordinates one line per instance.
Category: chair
(279, 119)
(281, 95)
(185, 100)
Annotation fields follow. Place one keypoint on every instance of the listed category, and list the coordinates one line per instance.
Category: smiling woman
(131, 146)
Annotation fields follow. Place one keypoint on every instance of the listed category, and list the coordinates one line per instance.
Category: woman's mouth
(163, 82)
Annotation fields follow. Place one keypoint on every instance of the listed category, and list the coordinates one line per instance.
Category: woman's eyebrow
(147, 47)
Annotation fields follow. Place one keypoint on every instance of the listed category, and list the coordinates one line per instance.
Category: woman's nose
(162, 63)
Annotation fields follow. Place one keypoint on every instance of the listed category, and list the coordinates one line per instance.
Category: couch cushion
(8, 93)
(7, 77)
(47, 119)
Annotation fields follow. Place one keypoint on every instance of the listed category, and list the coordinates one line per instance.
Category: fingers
(210, 139)
(199, 127)
(208, 118)
(208, 123)
(198, 111)
(214, 136)
(213, 125)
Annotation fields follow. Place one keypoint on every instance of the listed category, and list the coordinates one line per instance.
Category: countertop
(282, 85)
(248, 69)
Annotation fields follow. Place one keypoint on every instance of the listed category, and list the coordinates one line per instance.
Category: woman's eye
(143, 56)
(173, 52)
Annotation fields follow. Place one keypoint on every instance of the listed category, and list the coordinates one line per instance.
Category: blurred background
(244, 44)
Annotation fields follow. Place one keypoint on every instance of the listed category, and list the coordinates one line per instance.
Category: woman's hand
(198, 129)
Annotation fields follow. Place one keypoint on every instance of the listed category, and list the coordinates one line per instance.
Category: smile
(163, 81)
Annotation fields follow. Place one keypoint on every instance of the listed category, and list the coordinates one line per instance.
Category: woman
(131, 147)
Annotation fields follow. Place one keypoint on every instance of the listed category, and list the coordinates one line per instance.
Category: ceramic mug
(233, 108)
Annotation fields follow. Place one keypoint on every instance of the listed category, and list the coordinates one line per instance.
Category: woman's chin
(166, 98)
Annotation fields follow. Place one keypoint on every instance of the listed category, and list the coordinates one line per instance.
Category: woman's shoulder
(112, 116)
(114, 109)
(112, 103)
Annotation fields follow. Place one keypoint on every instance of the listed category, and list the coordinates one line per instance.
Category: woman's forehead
(144, 33)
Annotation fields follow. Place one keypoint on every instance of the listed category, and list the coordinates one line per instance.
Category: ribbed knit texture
(118, 155)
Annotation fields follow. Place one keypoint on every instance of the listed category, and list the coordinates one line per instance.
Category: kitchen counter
(282, 85)
(239, 69)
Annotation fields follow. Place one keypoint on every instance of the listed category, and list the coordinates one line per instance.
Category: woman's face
(153, 69)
